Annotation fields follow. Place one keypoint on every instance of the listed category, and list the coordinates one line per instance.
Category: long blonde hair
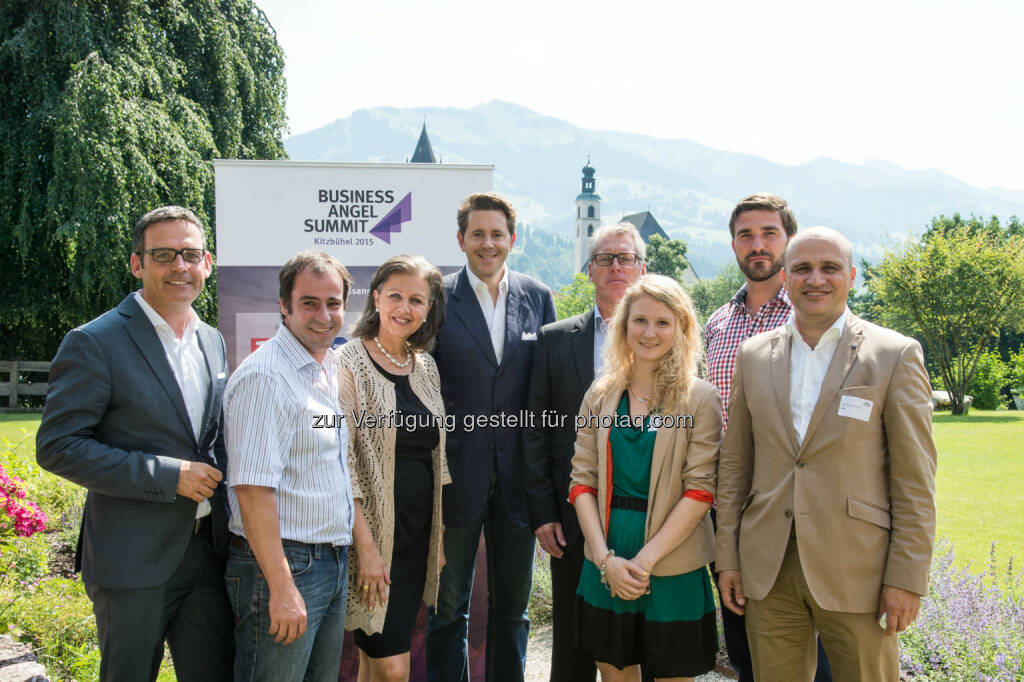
(674, 375)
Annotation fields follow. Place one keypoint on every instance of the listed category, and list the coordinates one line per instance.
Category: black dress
(414, 499)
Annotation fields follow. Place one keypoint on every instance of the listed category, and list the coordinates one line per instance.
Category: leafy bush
(971, 627)
(1015, 370)
(51, 492)
(988, 380)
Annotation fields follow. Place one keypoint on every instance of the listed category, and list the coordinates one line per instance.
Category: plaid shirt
(731, 325)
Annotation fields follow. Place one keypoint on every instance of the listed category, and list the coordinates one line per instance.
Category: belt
(631, 503)
(240, 543)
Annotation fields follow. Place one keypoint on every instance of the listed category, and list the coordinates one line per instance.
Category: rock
(18, 663)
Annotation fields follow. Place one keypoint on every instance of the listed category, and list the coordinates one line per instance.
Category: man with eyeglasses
(133, 414)
(567, 359)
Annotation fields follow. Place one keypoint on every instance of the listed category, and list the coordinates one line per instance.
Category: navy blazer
(563, 369)
(473, 384)
(115, 423)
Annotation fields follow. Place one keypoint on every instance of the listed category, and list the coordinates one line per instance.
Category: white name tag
(529, 336)
(857, 408)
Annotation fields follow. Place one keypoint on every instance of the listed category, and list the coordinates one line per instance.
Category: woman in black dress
(390, 393)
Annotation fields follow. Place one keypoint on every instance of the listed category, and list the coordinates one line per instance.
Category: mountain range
(689, 188)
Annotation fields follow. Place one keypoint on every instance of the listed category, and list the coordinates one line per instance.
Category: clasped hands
(628, 579)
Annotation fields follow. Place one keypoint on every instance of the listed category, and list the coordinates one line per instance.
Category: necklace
(396, 363)
(638, 398)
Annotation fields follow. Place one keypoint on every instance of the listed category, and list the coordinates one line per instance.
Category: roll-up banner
(361, 213)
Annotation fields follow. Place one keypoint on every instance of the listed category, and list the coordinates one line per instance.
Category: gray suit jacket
(115, 423)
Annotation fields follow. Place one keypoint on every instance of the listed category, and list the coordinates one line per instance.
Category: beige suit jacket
(683, 459)
(860, 493)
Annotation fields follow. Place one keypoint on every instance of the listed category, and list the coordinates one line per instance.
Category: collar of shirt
(480, 287)
(781, 298)
(299, 357)
(160, 324)
(829, 338)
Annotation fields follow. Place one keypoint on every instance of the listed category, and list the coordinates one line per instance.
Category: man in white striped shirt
(289, 487)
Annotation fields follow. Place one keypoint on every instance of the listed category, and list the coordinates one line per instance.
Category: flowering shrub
(971, 626)
(21, 517)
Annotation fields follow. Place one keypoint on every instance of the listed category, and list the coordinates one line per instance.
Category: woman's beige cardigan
(371, 461)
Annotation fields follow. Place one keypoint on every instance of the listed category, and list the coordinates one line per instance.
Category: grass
(979, 482)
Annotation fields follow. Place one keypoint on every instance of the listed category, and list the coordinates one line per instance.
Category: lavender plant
(971, 625)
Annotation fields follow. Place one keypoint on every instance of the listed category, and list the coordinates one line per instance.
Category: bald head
(820, 233)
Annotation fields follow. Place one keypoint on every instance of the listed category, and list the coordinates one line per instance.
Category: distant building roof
(424, 152)
(646, 225)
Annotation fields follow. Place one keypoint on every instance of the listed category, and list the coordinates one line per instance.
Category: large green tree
(109, 109)
(574, 298)
(955, 288)
(710, 294)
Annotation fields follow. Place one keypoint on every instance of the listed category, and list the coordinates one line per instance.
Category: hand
(287, 614)
(197, 481)
(625, 579)
(551, 538)
(373, 579)
(900, 607)
(730, 590)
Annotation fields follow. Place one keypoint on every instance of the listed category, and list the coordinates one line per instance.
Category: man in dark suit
(133, 414)
(568, 352)
(484, 352)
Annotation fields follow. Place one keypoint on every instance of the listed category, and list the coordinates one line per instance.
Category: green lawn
(980, 484)
(980, 480)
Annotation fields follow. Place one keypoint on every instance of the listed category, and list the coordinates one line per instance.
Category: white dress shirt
(189, 367)
(285, 430)
(807, 369)
(600, 335)
(494, 311)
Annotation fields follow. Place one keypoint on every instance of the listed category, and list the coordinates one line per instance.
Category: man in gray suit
(133, 414)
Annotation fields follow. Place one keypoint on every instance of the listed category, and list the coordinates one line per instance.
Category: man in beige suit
(826, 483)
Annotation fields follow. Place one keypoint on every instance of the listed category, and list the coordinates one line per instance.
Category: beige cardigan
(371, 460)
(683, 459)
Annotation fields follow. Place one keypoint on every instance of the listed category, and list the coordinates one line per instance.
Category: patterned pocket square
(529, 336)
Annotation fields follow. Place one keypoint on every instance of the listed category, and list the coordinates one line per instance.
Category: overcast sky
(920, 84)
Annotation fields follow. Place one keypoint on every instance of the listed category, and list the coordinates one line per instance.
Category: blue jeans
(509, 576)
(320, 573)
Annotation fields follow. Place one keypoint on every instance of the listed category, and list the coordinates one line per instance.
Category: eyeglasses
(168, 255)
(625, 259)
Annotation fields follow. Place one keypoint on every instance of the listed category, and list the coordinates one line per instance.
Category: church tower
(588, 217)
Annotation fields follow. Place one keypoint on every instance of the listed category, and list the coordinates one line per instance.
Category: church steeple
(588, 217)
(424, 152)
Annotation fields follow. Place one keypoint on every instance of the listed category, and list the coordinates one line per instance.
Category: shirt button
(789, 514)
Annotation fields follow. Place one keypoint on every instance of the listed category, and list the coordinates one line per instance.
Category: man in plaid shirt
(761, 225)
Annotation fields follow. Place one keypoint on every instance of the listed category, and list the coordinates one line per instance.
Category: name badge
(529, 336)
(856, 408)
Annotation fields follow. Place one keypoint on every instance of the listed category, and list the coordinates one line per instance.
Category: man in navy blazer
(484, 354)
(133, 414)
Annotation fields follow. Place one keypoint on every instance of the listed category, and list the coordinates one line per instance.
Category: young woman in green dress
(643, 482)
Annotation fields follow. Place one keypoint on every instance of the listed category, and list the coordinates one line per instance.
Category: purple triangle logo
(392, 222)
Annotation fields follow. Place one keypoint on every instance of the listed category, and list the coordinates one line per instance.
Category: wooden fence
(15, 389)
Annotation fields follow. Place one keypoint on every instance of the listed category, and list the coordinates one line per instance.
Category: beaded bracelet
(603, 567)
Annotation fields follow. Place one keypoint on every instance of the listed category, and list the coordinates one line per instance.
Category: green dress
(672, 630)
